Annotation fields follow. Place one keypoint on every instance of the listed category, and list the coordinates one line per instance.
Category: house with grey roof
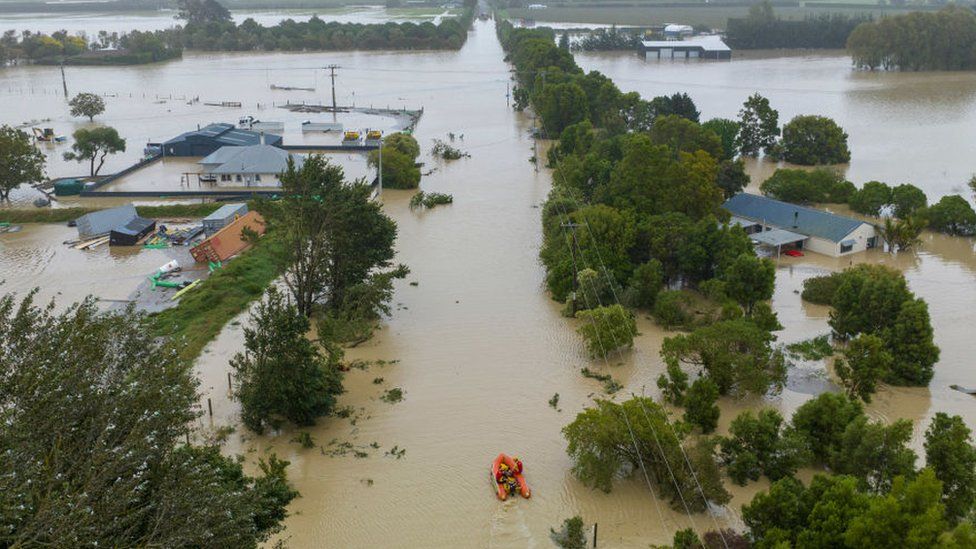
(207, 140)
(247, 166)
(780, 225)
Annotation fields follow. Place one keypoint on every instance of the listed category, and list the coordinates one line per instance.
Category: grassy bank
(63, 215)
(203, 312)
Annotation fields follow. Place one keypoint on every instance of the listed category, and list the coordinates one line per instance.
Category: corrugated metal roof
(797, 219)
(135, 226)
(777, 237)
(710, 42)
(256, 159)
(227, 210)
(102, 222)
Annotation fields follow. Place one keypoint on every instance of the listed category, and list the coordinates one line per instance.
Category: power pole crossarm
(332, 75)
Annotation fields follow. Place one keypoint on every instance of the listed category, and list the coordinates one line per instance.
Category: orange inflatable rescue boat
(513, 467)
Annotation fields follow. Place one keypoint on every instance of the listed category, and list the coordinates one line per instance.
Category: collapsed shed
(102, 222)
(132, 232)
(230, 240)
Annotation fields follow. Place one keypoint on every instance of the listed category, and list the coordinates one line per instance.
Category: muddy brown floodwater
(478, 347)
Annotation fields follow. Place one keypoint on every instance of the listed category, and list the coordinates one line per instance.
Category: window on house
(238, 178)
(257, 177)
(844, 247)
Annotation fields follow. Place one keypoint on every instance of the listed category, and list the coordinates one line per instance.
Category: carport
(777, 238)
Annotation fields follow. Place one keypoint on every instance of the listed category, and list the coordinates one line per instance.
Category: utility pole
(64, 81)
(332, 74)
(381, 169)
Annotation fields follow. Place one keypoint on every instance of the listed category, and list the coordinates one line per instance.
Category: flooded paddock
(477, 346)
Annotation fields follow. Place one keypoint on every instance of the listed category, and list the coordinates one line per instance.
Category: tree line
(943, 40)
(209, 27)
(762, 29)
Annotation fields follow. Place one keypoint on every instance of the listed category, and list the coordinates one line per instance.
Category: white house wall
(860, 236)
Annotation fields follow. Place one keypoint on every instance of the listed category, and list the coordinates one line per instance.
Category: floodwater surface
(477, 346)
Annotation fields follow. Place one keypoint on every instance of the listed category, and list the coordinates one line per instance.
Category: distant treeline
(944, 40)
(223, 35)
(763, 30)
(612, 39)
(131, 48)
(317, 34)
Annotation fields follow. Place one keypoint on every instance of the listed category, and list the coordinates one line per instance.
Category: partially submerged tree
(866, 362)
(952, 215)
(20, 162)
(601, 443)
(93, 414)
(750, 279)
(281, 374)
(88, 105)
(822, 422)
(95, 144)
(758, 445)
(813, 140)
(700, 404)
(400, 152)
(758, 126)
(735, 354)
(606, 329)
(335, 237)
(950, 453)
(202, 12)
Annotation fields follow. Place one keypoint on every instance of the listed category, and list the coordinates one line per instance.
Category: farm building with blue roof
(780, 224)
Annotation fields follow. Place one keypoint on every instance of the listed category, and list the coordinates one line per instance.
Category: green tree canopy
(700, 407)
(610, 438)
(20, 162)
(758, 445)
(822, 422)
(735, 354)
(952, 215)
(678, 104)
(866, 362)
(94, 409)
(820, 185)
(281, 374)
(871, 198)
(606, 329)
(950, 453)
(88, 105)
(875, 453)
(814, 140)
(95, 144)
(750, 279)
(758, 126)
(907, 200)
(727, 132)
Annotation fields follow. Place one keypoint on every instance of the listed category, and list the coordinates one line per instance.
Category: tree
(732, 177)
(202, 12)
(912, 345)
(866, 361)
(750, 279)
(20, 162)
(646, 282)
(561, 105)
(94, 409)
(868, 300)
(687, 539)
(606, 329)
(571, 535)
(610, 438)
(735, 354)
(758, 126)
(679, 104)
(911, 515)
(871, 198)
(335, 237)
(399, 168)
(820, 185)
(950, 453)
(281, 373)
(901, 234)
(700, 407)
(822, 422)
(875, 453)
(813, 140)
(727, 132)
(952, 215)
(88, 105)
(757, 445)
(908, 200)
(403, 143)
(683, 135)
(95, 144)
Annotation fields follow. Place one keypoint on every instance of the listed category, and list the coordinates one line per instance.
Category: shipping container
(223, 216)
